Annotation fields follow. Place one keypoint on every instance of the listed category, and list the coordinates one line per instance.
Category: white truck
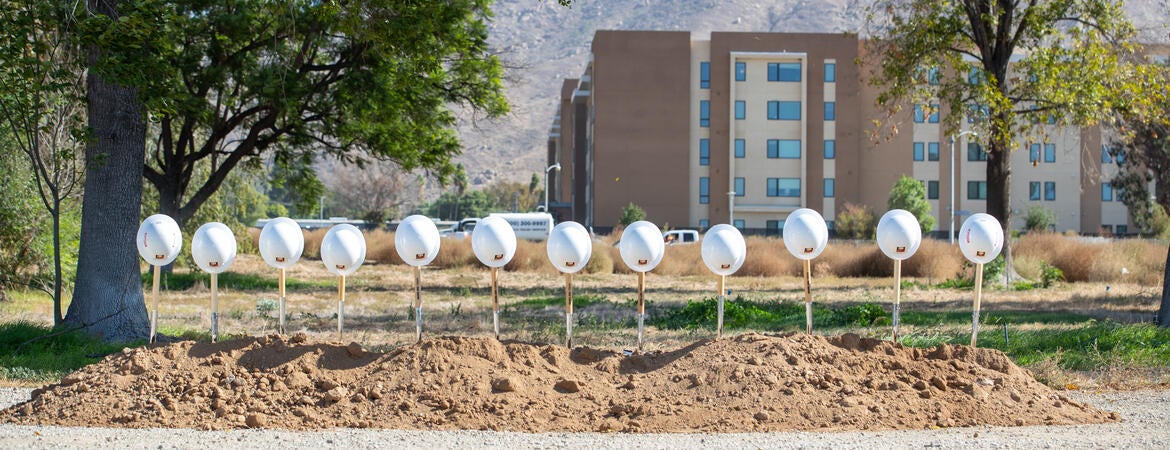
(530, 226)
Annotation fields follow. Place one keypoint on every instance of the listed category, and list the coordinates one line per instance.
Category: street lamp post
(951, 229)
(731, 208)
(547, 186)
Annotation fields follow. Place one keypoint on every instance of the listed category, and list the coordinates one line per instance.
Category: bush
(1039, 218)
(909, 194)
(601, 260)
(1158, 223)
(1049, 275)
(630, 214)
(855, 222)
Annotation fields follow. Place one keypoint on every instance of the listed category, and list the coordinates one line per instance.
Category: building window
(704, 75)
(784, 187)
(975, 152)
(773, 227)
(1034, 190)
(830, 149)
(1034, 153)
(1105, 156)
(783, 110)
(739, 223)
(1122, 230)
(932, 190)
(704, 152)
(704, 223)
(933, 113)
(830, 110)
(976, 190)
(740, 148)
(1050, 191)
(740, 71)
(704, 190)
(1119, 156)
(830, 187)
(932, 151)
(1106, 192)
(919, 151)
(740, 107)
(1049, 153)
(975, 76)
(919, 115)
(784, 148)
(787, 71)
(830, 72)
(932, 76)
(704, 113)
(739, 187)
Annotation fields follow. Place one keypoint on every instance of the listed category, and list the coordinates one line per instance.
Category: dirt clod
(750, 382)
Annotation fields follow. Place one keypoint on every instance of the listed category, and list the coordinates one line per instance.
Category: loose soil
(750, 382)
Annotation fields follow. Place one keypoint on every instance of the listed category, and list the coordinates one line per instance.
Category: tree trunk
(107, 299)
(57, 318)
(1164, 309)
(999, 200)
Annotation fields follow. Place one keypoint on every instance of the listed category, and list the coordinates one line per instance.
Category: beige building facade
(745, 128)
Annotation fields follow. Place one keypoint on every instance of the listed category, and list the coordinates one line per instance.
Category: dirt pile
(751, 382)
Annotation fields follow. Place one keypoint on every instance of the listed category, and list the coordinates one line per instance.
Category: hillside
(542, 43)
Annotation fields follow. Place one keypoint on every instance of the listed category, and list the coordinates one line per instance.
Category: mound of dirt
(751, 382)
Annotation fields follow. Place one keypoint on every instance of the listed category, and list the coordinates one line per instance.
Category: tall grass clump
(767, 257)
(313, 242)
(934, 260)
(455, 253)
(682, 260)
(530, 257)
(380, 247)
(601, 261)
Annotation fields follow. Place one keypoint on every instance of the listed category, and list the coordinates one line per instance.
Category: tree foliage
(909, 194)
(630, 214)
(1006, 65)
(233, 81)
(855, 222)
(1039, 218)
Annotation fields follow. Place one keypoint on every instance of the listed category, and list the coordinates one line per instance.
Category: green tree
(1143, 157)
(909, 194)
(1008, 65)
(513, 194)
(107, 298)
(630, 214)
(1039, 218)
(41, 96)
(236, 80)
(855, 222)
(470, 204)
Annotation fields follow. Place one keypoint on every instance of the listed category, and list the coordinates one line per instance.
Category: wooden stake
(418, 302)
(569, 310)
(341, 307)
(719, 323)
(496, 302)
(214, 308)
(808, 296)
(641, 306)
(154, 313)
(897, 294)
(978, 298)
(282, 311)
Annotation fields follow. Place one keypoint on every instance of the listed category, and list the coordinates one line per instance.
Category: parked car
(673, 237)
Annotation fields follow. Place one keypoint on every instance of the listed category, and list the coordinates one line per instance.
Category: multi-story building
(747, 127)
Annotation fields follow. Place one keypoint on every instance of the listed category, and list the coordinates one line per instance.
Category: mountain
(542, 43)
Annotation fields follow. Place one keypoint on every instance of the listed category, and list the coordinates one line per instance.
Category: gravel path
(1144, 426)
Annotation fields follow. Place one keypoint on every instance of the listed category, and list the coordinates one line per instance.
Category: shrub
(855, 222)
(1158, 223)
(910, 194)
(601, 261)
(1039, 218)
(630, 214)
(1049, 275)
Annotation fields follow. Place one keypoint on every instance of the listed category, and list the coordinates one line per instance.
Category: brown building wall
(565, 148)
(881, 157)
(640, 85)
